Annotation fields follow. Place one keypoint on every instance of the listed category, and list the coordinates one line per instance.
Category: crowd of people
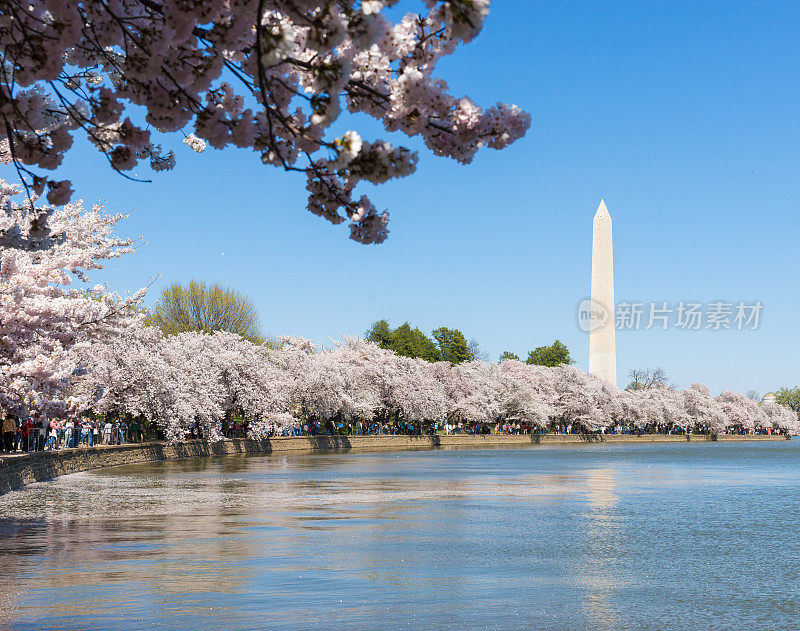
(31, 435)
(24, 435)
(303, 427)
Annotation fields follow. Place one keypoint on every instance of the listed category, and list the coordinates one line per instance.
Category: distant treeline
(451, 345)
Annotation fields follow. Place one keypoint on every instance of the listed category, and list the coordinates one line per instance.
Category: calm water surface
(695, 536)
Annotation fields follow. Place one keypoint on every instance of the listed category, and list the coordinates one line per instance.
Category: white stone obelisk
(602, 345)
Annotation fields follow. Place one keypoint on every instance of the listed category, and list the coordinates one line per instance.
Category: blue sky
(683, 116)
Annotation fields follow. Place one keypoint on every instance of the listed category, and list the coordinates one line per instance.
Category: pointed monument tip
(602, 211)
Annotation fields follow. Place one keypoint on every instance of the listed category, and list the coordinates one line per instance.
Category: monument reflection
(598, 571)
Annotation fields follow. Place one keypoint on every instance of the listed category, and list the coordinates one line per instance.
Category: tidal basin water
(695, 536)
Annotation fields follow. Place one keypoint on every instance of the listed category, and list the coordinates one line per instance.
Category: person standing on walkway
(25, 435)
(68, 429)
(55, 430)
(9, 427)
(107, 429)
(52, 437)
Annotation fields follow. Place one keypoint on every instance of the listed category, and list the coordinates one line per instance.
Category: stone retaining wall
(18, 470)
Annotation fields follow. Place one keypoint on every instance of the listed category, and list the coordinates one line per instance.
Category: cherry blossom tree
(318, 384)
(742, 411)
(780, 417)
(701, 409)
(528, 393)
(336, 389)
(177, 381)
(252, 383)
(579, 398)
(268, 75)
(48, 313)
(402, 387)
(190, 378)
(473, 390)
(412, 390)
(656, 405)
(131, 374)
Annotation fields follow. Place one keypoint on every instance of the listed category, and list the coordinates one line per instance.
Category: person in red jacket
(27, 434)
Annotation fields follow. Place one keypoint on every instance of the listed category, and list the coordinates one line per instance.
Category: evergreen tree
(404, 340)
(452, 345)
(789, 397)
(553, 355)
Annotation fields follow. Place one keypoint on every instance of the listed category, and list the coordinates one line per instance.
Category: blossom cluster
(268, 75)
(190, 377)
(47, 322)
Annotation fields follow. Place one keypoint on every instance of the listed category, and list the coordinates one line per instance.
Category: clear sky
(683, 116)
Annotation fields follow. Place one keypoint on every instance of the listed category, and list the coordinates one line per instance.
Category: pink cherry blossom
(268, 75)
(50, 316)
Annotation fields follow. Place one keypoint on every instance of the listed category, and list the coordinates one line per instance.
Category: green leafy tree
(206, 308)
(404, 340)
(452, 345)
(379, 333)
(553, 355)
(414, 343)
(790, 397)
(508, 355)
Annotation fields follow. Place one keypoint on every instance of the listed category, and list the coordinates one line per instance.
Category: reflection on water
(596, 571)
(595, 537)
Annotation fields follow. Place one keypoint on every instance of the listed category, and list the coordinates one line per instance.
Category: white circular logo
(591, 315)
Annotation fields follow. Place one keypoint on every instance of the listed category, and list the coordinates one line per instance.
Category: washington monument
(602, 345)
